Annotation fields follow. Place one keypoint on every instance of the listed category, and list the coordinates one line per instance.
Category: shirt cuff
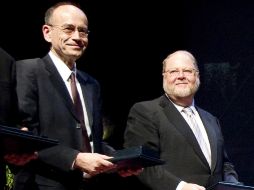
(180, 185)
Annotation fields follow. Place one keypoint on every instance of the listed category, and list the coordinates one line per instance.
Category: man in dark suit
(163, 125)
(7, 100)
(9, 113)
(46, 103)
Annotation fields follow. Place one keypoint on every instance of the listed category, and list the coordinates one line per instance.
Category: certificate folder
(13, 140)
(136, 157)
(229, 186)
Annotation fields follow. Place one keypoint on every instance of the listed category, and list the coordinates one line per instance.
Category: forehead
(69, 14)
(180, 60)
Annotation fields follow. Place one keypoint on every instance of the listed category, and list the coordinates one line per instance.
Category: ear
(197, 73)
(46, 30)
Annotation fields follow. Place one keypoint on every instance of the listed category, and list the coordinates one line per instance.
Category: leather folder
(136, 157)
(13, 140)
(229, 186)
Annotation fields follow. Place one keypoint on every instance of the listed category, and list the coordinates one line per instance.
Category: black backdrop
(128, 42)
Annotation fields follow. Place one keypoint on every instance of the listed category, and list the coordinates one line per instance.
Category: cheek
(62, 39)
(170, 81)
(85, 41)
(193, 81)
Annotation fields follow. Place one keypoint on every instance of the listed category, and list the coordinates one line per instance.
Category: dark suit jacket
(47, 110)
(7, 100)
(159, 125)
(7, 89)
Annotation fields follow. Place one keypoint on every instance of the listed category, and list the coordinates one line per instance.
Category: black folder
(13, 140)
(136, 157)
(229, 186)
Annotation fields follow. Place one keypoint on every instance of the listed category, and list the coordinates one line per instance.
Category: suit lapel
(211, 136)
(177, 120)
(59, 84)
(86, 91)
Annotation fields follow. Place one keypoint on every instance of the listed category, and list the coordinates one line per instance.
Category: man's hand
(192, 186)
(93, 163)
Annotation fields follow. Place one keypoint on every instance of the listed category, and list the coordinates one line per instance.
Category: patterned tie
(79, 111)
(198, 134)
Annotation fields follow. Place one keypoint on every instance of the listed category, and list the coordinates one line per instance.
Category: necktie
(79, 111)
(198, 134)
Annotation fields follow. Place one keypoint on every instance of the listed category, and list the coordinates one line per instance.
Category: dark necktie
(198, 134)
(79, 111)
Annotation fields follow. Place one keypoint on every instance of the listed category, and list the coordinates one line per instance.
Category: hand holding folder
(135, 158)
(16, 141)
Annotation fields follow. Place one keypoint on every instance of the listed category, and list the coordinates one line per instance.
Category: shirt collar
(62, 68)
(180, 108)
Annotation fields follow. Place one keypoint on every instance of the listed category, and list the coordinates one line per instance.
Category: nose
(76, 34)
(181, 74)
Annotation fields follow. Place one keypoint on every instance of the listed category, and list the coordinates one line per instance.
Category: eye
(173, 72)
(69, 29)
(188, 71)
(83, 30)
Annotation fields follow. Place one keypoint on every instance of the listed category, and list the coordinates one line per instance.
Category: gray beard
(181, 93)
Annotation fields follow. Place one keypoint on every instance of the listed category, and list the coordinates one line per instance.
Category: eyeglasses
(70, 29)
(175, 72)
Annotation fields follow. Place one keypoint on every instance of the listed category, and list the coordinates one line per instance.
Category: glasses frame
(187, 72)
(70, 29)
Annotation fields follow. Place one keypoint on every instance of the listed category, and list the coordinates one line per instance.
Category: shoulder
(5, 55)
(87, 78)
(28, 63)
(205, 113)
(7, 62)
(27, 67)
(31, 61)
(148, 105)
(153, 102)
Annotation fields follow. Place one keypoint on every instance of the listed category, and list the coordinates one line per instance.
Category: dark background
(128, 42)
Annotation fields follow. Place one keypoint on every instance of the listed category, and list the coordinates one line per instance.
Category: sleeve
(229, 173)
(142, 129)
(27, 95)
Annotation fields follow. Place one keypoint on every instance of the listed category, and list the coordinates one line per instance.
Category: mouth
(182, 83)
(76, 45)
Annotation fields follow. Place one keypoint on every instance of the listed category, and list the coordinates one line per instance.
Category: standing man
(8, 101)
(52, 105)
(191, 142)
(9, 113)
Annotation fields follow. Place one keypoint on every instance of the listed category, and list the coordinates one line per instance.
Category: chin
(76, 53)
(182, 92)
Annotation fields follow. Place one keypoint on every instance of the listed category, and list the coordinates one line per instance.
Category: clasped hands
(94, 164)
